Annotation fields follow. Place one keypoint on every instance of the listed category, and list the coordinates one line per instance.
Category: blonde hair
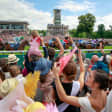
(35, 33)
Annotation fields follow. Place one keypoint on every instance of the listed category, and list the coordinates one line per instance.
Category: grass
(108, 47)
(21, 55)
(27, 47)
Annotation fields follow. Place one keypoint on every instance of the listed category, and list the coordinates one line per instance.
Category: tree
(101, 30)
(73, 33)
(82, 35)
(86, 23)
(108, 34)
(94, 35)
(42, 32)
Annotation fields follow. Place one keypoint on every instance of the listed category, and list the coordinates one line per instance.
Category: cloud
(24, 11)
(74, 6)
(106, 20)
(72, 21)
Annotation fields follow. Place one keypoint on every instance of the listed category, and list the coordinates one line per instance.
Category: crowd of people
(10, 35)
(68, 82)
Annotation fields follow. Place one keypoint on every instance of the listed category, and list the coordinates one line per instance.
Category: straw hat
(12, 58)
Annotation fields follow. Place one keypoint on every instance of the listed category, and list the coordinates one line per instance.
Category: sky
(39, 13)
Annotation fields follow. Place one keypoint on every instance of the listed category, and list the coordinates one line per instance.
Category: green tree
(82, 35)
(73, 33)
(42, 32)
(94, 35)
(86, 24)
(108, 34)
(101, 30)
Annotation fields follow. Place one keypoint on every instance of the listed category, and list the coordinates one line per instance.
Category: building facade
(13, 26)
(57, 28)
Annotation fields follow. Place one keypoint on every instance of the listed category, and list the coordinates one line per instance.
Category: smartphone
(76, 52)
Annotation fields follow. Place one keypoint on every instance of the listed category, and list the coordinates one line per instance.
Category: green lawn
(108, 47)
(27, 47)
(21, 55)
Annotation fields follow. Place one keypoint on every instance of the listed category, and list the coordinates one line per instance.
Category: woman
(35, 37)
(96, 101)
(69, 84)
(109, 102)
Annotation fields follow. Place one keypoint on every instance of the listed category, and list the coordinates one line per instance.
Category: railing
(21, 53)
(24, 51)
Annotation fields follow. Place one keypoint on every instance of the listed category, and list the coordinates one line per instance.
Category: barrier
(21, 53)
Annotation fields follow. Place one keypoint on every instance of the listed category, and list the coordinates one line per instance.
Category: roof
(13, 22)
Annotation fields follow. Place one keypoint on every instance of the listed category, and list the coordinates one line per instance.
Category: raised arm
(44, 48)
(60, 46)
(72, 100)
(101, 47)
(82, 70)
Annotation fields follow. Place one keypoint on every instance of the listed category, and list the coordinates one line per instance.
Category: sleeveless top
(70, 89)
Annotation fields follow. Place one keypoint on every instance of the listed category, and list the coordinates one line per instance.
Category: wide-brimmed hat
(12, 58)
(43, 65)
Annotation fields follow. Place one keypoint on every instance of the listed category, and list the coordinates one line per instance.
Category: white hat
(12, 58)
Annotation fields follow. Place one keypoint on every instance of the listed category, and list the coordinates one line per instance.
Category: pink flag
(65, 59)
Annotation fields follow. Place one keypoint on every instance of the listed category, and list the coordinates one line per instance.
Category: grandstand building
(13, 26)
(57, 28)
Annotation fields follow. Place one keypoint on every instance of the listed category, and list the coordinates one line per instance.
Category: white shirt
(20, 78)
(86, 105)
(109, 102)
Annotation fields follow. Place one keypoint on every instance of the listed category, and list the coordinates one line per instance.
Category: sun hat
(12, 58)
(43, 65)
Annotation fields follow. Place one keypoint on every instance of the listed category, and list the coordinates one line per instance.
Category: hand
(56, 69)
(79, 52)
(101, 45)
(70, 38)
(42, 41)
(57, 38)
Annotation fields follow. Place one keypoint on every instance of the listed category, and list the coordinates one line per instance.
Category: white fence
(24, 51)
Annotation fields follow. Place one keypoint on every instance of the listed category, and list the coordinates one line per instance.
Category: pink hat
(65, 59)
